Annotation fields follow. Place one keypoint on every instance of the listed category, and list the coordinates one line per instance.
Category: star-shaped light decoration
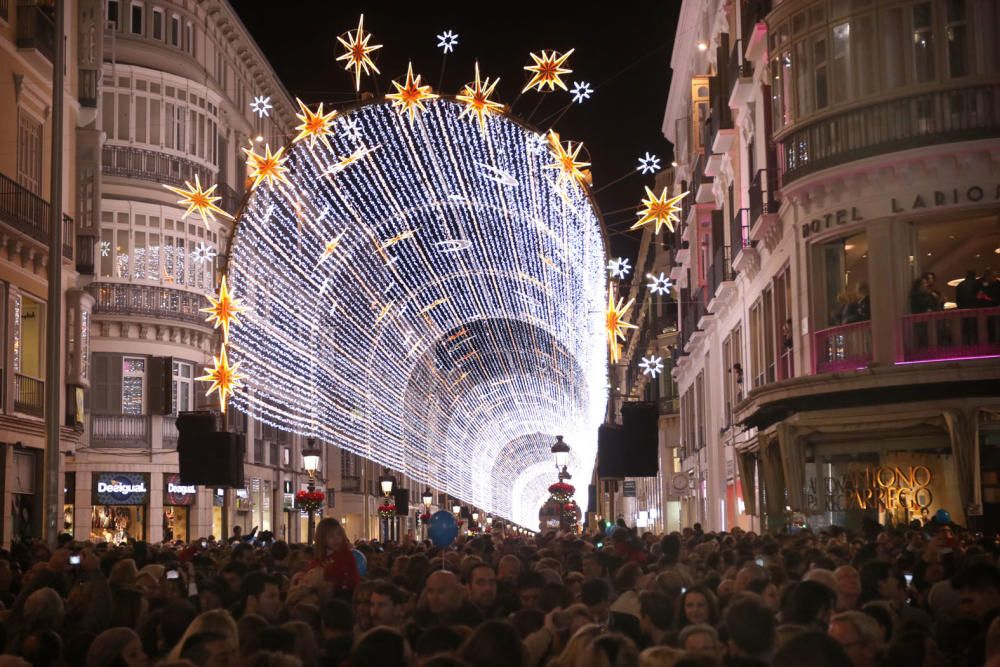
(198, 199)
(566, 162)
(476, 97)
(581, 91)
(315, 125)
(105, 248)
(225, 378)
(651, 365)
(261, 105)
(662, 210)
(203, 253)
(659, 284)
(447, 41)
(352, 129)
(329, 248)
(547, 70)
(648, 164)
(536, 143)
(345, 162)
(615, 323)
(358, 52)
(619, 267)
(268, 167)
(409, 97)
(224, 310)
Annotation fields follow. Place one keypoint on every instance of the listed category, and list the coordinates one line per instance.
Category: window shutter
(159, 385)
(107, 390)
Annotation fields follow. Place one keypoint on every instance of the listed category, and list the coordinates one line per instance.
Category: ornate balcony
(117, 299)
(939, 117)
(36, 28)
(29, 395)
(31, 215)
(150, 165)
(950, 335)
(842, 348)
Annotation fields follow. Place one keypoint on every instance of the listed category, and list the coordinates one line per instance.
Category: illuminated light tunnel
(435, 306)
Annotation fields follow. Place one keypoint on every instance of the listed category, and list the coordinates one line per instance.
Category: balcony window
(183, 386)
(158, 24)
(29, 152)
(923, 42)
(956, 32)
(113, 13)
(894, 48)
(845, 280)
(133, 384)
(137, 16)
(175, 30)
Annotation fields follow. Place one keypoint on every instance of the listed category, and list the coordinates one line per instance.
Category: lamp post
(561, 451)
(475, 520)
(387, 483)
(310, 461)
(427, 499)
(489, 523)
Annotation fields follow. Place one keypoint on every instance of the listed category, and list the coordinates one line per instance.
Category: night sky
(622, 49)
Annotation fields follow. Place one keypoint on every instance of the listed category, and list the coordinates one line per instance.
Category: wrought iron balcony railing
(147, 301)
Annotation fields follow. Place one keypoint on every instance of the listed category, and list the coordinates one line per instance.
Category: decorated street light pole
(427, 499)
(386, 511)
(562, 493)
(310, 461)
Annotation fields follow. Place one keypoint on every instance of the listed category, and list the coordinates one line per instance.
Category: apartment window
(923, 42)
(956, 32)
(175, 30)
(137, 12)
(762, 357)
(844, 282)
(113, 13)
(700, 111)
(29, 152)
(133, 384)
(158, 23)
(783, 323)
(699, 391)
(820, 71)
(189, 38)
(894, 50)
(183, 386)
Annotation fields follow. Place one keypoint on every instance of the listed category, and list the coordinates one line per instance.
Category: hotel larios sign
(875, 488)
(951, 197)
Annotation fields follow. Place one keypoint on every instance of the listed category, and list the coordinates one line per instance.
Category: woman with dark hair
(381, 647)
(809, 604)
(696, 606)
(493, 644)
(332, 552)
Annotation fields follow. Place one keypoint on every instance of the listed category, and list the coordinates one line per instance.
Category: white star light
(651, 365)
(352, 129)
(447, 41)
(649, 164)
(659, 284)
(105, 248)
(261, 106)
(581, 91)
(203, 253)
(537, 143)
(619, 267)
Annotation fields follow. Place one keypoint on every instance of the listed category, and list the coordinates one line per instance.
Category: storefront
(177, 499)
(241, 516)
(219, 514)
(121, 507)
(69, 497)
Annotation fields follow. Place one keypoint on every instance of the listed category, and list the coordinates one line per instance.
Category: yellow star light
(476, 96)
(268, 167)
(225, 378)
(224, 310)
(566, 162)
(329, 248)
(548, 70)
(409, 98)
(615, 323)
(314, 126)
(661, 210)
(197, 199)
(358, 52)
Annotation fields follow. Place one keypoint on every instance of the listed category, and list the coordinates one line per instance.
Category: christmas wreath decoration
(562, 489)
(425, 517)
(387, 510)
(309, 501)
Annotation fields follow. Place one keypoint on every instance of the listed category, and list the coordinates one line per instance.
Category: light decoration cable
(619, 267)
(199, 199)
(432, 338)
(547, 70)
(581, 91)
(660, 210)
(648, 164)
(358, 52)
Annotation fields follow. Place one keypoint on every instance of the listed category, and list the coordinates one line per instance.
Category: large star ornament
(224, 310)
(225, 378)
(569, 168)
(615, 323)
(662, 210)
(358, 52)
(198, 199)
(268, 167)
(315, 125)
(409, 97)
(476, 97)
(548, 70)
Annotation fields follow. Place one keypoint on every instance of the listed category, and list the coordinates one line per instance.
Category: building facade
(840, 334)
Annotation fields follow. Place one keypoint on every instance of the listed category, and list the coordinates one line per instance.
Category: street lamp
(310, 461)
(386, 482)
(475, 516)
(456, 509)
(489, 522)
(428, 498)
(561, 452)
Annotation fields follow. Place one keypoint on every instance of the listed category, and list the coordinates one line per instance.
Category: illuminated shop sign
(886, 489)
(120, 488)
(176, 492)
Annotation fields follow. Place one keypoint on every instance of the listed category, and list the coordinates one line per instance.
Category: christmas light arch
(429, 295)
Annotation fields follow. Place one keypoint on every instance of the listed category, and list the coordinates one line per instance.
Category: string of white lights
(434, 304)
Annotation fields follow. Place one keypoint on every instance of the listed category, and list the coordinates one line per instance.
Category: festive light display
(660, 284)
(615, 323)
(648, 164)
(566, 164)
(315, 125)
(476, 96)
(447, 41)
(198, 199)
(581, 91)
(358, 52)
(203, 253)
(224, 310)
(401, 307)
(225, 378)
(261, 106)
(651, 365)
(661, 210)
(547, 70)
(105, 248)
(410, 97)
(268, 167)
(619, 267)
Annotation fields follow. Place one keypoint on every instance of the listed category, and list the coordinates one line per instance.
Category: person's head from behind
(509, 568)
(809, 603)
(43, 649)
(210, 649)
(262, 595)
(812, 648)
(529, 589)
(381, 647)
(593, 566)
(860, 636)
(437, 639)
(750, 627)
(117, 647)
(700, 638)
(336, 619)
(596, 595)
(659, 656)
(978, 586)
(656, 613)
(610, 650)
(43, 610)
(494, 644)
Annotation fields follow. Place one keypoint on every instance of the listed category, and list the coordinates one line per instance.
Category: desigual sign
(880, 488)
(177, 493)
(123, 488)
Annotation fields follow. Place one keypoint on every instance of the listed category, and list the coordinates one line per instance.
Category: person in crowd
(750, 628)
(261, 596)
(698, 606)
(860, 636)
(334, 558)
(482, 589)
(922, 300)
(965, 291)
(656, 618)
(388, 605)
(597, 597)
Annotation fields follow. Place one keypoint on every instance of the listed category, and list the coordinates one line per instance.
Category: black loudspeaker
(207, 456)
(401, 499)
(631, 450)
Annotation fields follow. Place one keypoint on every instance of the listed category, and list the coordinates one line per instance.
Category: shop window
(923, 42)
(133, 384)
(844, 283)
(137, 16)
(183, 386)
(158, 23)
(29, 337)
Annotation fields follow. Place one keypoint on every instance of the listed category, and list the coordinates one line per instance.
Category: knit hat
(109, 645)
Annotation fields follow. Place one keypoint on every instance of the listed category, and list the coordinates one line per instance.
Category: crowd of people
(917, 595)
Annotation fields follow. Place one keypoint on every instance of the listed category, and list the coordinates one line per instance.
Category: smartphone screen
(909, 578)
(74, 559)
(172, 574)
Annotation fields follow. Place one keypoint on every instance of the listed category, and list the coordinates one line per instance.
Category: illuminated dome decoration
(434, 304)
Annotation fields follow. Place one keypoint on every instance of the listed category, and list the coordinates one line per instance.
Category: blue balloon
(361, 561)
(942, 516)
(442, 529)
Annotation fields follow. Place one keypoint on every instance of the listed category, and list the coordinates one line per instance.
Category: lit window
(183, 387)
(133, 383)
